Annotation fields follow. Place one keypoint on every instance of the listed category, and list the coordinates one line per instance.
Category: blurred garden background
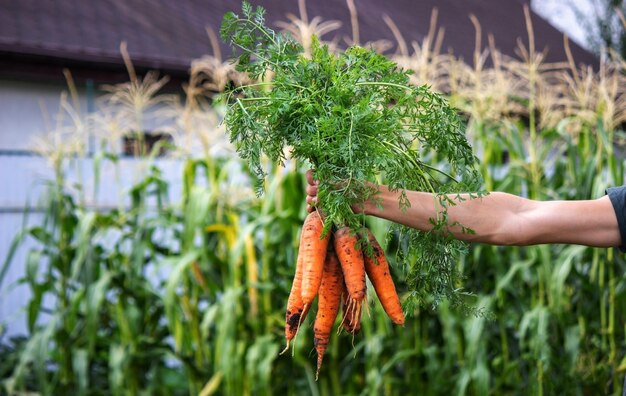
(135, 258)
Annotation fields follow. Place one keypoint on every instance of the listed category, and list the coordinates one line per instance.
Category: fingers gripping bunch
(333, 267)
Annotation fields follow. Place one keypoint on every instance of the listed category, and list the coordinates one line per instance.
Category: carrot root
(328, 306)
(352, 264)
(286, 348)
(377, 269)
(313, 250)
(339, 278)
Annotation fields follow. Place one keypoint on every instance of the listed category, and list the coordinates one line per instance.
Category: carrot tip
(304, 309)
(319, 365)
(367, 307)
(358, 307)
(286, 348)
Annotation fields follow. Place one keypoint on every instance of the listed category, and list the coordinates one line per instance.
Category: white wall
(23, 106)
(23, 178)
(28, 109)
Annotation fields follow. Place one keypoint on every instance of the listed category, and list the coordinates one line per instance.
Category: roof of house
(167, 35)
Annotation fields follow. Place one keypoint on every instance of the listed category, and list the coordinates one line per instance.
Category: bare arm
(505, 219)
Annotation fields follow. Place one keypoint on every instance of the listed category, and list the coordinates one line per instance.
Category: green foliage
(356, 119)
(152, 298)
(213, 321)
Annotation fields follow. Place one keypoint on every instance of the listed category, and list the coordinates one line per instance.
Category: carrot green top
(356, 118)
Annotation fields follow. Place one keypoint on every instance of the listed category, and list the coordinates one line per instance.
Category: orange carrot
(296, 312)
(328, 305)
(349, 321)
(377, 270)
(313, 252)
(351, 259)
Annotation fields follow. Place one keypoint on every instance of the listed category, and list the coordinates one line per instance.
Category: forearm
(506, 219)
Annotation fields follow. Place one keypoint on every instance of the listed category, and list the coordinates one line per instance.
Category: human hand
(311, 191)
(311, 195)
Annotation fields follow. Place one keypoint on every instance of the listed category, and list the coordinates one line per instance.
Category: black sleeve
(617, 195)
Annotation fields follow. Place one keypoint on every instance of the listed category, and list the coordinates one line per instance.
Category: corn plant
(183, 290)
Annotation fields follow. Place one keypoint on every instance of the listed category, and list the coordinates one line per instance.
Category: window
(144, 143)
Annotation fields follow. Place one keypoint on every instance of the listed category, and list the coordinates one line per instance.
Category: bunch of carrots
(333, 267)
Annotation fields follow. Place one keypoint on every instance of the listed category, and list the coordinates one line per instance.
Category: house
(39, 39)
